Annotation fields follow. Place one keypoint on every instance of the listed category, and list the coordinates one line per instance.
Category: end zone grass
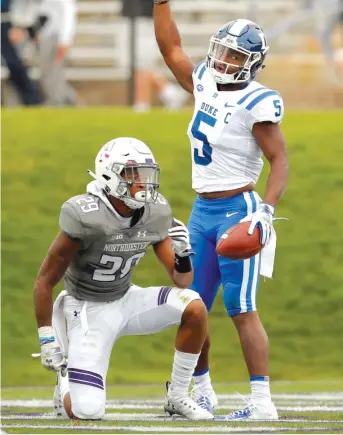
(45, 154)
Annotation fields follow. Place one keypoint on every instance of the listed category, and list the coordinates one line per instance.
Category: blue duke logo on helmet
(237, 52)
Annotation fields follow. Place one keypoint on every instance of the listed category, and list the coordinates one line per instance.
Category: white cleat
(205, 398)
(186, 407)
(59, 410)
(255, 411)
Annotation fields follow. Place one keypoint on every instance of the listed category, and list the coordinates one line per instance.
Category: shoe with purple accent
(205, 398)
(255, 411)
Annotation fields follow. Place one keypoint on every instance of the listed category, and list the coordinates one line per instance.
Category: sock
(202, 379)
(64, 385)
(183, 368)
(260, 388)
(141, 107)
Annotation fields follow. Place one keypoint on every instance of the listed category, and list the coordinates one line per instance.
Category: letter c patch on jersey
(200, 88)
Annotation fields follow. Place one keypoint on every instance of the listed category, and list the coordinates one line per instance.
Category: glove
(51, 355)
(262, 218)
(53, 359)
(179, 235)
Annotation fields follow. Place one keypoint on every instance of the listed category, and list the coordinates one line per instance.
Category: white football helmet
(241, 38)
(123, 162)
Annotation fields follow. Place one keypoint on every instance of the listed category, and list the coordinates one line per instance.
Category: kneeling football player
(104, 234)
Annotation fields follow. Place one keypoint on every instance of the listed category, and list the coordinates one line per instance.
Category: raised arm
(169, 42)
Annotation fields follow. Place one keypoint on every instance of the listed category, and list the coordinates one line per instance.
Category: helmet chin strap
(95, 177)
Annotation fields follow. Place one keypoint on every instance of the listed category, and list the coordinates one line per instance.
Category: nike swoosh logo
(231, 214)
(228, 105)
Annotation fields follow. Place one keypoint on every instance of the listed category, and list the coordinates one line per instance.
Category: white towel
(95, 189)
(268, 256)
(59, 323)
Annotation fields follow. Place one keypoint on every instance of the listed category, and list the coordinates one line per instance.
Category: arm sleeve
(267, 107)
(70, 222)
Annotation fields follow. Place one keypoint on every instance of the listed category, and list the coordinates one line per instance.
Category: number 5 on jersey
(206, 151)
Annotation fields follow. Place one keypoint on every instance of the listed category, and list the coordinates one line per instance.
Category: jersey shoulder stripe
(260, 98)
(200, 64)
(246, 96)
(202, 72)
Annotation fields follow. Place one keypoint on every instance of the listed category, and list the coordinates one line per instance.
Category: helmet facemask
(223, 49)
(119, 178)
(146, 177)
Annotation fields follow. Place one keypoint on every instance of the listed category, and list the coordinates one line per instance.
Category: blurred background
(80, 52)
(87, 81)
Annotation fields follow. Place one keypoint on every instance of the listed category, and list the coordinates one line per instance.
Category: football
(237, 244)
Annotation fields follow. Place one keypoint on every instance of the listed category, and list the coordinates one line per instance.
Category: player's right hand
(52, 358)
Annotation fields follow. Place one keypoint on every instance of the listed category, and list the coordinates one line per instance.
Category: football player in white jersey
(236, 120)
(104, 233)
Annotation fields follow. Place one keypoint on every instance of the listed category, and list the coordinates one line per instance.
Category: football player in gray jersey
(104, 234)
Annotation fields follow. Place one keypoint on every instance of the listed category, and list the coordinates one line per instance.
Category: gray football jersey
(102, 268)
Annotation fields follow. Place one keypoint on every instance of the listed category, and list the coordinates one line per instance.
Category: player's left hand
(179, 235)
(263, 218)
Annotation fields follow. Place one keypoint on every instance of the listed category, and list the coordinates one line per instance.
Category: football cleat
(186, 407)
(59, 410)
(205, 398)
(254, 411)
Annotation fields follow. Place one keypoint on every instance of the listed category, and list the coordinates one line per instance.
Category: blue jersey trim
(260, 98)
(196, 69)
(241, 101)
(202, 72)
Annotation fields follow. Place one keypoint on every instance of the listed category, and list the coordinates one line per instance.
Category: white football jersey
(225, 154)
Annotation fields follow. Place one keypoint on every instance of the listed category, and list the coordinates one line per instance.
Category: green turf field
(45, 154)
(139, 409)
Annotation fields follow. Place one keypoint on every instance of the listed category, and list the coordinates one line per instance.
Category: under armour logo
(141, 233)
(75, 313)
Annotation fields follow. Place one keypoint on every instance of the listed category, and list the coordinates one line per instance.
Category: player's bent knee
(88, 408)
(181, 298)
(195, 311)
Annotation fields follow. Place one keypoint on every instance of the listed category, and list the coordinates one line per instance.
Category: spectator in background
(52, 25)
(328, 16)
(26, 88)
(146, 56)
(56, 37)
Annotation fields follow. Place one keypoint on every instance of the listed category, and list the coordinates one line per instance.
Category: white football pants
(93, 328)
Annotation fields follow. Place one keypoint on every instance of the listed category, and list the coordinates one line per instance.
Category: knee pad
(86, 404)
(180, 298)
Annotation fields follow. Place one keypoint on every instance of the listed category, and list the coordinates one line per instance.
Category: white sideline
(161, 429)
(150, 417)
(153, 404)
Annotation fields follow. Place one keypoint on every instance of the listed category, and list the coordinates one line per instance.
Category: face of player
(228, 60)
(141, 179)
